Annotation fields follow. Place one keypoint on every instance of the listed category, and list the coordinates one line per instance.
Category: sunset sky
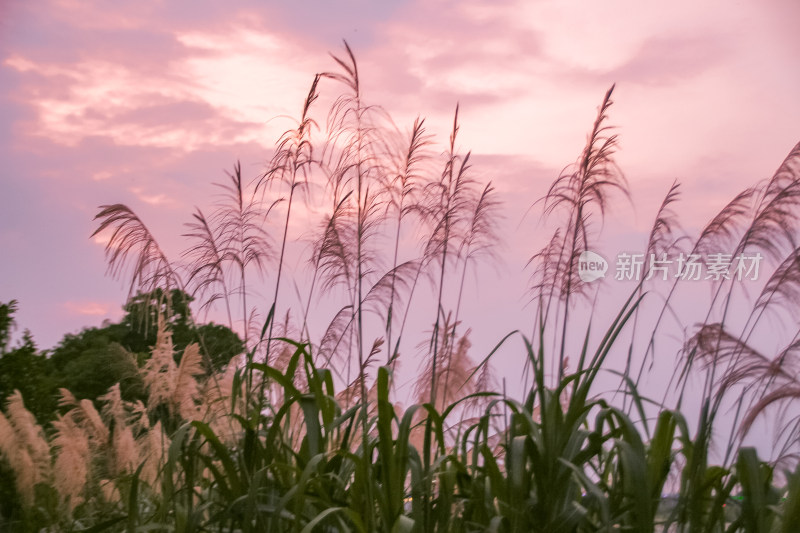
(149, 102)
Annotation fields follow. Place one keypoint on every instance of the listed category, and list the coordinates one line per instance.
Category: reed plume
(23, 443)
(130, 238)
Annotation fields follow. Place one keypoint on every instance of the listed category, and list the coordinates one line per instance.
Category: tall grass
(303, 433)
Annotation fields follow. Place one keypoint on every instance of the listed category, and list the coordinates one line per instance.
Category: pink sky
(147, 103)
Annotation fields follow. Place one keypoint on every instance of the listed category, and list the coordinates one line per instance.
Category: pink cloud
(672, 60)
(88, 308)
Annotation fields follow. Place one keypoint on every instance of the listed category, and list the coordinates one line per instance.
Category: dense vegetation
(302, 432)
(90, 362)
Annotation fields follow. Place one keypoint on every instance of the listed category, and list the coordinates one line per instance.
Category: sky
(148, 103)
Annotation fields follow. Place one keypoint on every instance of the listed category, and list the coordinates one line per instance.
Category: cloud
(88, 308)
(128, 108)
(248, 74)
(666, 61)
(155, 84)
(152, 199)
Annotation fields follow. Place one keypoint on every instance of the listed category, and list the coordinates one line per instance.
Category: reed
(303, 431)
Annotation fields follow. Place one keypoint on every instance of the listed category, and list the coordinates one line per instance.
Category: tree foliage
(89, 362)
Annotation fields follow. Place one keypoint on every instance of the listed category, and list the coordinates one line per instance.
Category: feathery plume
(72, 464)
(23, 443)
